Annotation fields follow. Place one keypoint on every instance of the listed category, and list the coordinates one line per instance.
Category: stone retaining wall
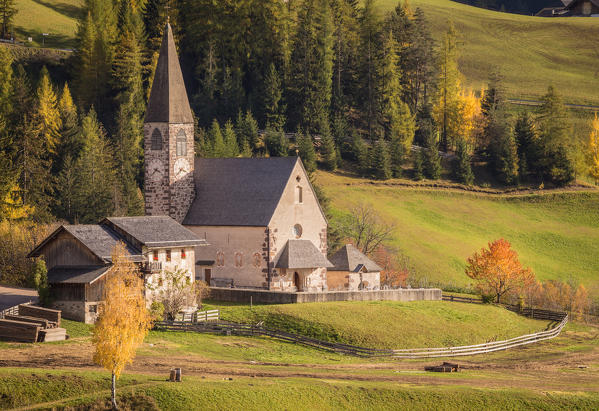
(240, 295)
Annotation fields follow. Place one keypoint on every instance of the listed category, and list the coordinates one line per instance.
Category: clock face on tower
(181, 168)
(155, 170)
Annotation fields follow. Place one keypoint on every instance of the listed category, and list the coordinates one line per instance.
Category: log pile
(32, 324)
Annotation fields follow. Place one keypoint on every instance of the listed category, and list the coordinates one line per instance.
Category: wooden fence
(559, 321)
(460, 299)
(200, 316)
(11, 311)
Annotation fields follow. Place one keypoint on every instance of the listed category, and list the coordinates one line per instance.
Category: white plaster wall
(231, 241)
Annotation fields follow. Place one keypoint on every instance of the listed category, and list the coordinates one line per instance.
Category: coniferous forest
(334, 80)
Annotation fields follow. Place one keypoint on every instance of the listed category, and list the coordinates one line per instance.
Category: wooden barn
(78, 258)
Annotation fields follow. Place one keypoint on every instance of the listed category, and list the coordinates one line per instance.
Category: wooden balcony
(151, 267)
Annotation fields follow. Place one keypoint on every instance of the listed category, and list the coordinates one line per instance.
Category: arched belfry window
(156, 140)
(299, 195)
(181, 143)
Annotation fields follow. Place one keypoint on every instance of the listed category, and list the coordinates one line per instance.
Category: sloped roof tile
(301, 254)
(349, 258)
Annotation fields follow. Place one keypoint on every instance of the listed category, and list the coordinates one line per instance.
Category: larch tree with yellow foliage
(594, 150)
(498, 271)
(46, 112)
(124, 320)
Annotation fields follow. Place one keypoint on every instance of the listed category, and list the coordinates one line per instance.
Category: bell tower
(168, 138)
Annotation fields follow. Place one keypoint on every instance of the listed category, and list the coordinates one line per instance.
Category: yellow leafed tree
(471, 116)
(12, 207)
(594, 149)
(124, 320)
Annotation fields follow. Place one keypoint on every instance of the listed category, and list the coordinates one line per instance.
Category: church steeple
(168, 99)
(168, 138)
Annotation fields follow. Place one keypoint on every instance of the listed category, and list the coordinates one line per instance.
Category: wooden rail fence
(559, 321)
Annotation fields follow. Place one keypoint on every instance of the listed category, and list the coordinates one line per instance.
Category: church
(260, 217)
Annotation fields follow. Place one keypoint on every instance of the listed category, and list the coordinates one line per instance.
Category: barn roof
(98, 239)
(154, 231)
(168, 101)
(349, 258)
(76, 274)
(238, 191)
(301, 254)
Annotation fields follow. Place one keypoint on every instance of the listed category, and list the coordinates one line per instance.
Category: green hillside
(382, 324)
(532, 52)
(557, 235)
(57, 18)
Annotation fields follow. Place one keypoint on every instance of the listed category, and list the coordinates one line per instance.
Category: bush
(157, 311)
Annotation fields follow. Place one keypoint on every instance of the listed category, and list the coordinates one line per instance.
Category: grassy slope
(382, 324)
(22, 387)
(531, 52)
(55, 17)
(556, 235)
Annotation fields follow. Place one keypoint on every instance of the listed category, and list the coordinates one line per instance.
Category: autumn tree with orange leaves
(124, 320)
(498, 271)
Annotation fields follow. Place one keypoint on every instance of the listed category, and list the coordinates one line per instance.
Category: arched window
(238, 260)
(181, 143)
(220, 259)
(156, 140)
(297, 231)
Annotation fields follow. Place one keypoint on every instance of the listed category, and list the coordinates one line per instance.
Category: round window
(297, 231)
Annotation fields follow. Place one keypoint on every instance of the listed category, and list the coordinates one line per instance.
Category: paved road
(11, 296)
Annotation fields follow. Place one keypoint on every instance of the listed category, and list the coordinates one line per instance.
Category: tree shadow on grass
(68, 10)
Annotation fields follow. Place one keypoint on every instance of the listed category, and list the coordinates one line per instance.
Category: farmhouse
(261, 217)
(353, 271)
(575, 8)
(78, 257)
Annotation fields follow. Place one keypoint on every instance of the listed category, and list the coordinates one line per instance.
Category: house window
(155, 255)
(183, 255)
(299, 195)
(93, 308)
(168, 255)
(156, 140)
(181, 143)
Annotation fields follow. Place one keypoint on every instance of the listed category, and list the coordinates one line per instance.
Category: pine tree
(446, 111)
(273, 104)
(369, 42)
(94, 195)
(593, 150)
(462, 170)
(360, 154)
(247, 130)
(216, 141)
(230, 141)
(7, 13)
(381, 162)
(70, 143)
(306, 151)
(66, 191)
(47, 113)
(398, 153)
(418, 165)
(502, 147)
(527, 145)
(432, 159)
(328, 152)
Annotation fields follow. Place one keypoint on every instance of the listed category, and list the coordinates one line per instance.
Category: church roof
(238, 191)
(349, 258)
(154, 231)
(301, 254)
(168, 101)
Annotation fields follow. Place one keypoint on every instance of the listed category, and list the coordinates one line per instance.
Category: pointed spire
(168, 99)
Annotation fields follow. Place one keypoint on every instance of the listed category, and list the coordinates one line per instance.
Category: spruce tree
(276, 143)
(328, 152)
(397, 153)
(502, 147)
(6, 87)
(462, 169)
(7, 13)
(96, 182)
(418, 160)
(246, 128)
(216, 141)
(381, 161)
(360, 154)
(274, 108)
(230, 141)
(67, 188)
(527, 145)
(369, 43)
(432, 159)
(306, 151)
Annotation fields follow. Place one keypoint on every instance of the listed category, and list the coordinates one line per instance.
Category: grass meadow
(557, 235)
